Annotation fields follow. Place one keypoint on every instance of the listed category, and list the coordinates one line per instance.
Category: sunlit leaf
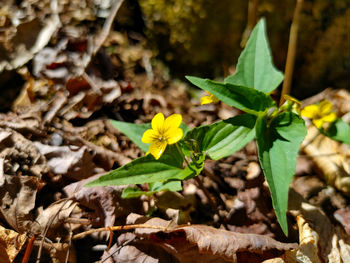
(246, 99)
(255, 67)
(278, 146)
(225, 137)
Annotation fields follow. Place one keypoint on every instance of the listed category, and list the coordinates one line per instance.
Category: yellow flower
(209, 99)
(320, 113)
(163, 132)
(296, 104)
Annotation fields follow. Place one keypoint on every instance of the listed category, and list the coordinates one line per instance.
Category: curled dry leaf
(105, 203)
(343, 217)
(201, 243)
(129, 248)
(21, 170)
(71, 161)
(11, 243)
(331, 246)
(19, 48)
(332, 159)
(53, 218)
(307, 251)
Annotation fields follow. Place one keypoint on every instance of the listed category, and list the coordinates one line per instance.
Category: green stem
(182, 154)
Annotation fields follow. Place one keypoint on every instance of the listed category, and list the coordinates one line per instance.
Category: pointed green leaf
(339, 131)
(255, 68)
(135, 131)
(243, 98)
(143, 170)
(132, 192)
(225, 137)
(278, 146)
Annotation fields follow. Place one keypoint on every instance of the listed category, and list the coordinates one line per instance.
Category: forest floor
(57, 137)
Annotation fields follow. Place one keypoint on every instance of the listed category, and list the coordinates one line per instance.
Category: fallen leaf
(53, 218)
(330, 158)
(129, 248)
(343, 217)
(201, 243)
(332, 245)
(11, 243)
(105, 203)
(21, 172)
(22, 45)
(307, 251)
(71, 161)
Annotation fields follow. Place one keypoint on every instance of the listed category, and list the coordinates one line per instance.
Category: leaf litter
(57, 137)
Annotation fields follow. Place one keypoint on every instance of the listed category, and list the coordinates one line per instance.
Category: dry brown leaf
(343, 217)
(330, 157)
(10, 244)
(129, 248)
(332, 243)
(201, 243)
(176, 206)
(307, 251)
(105, 203)
(24, 48)
(21, 170)
(71, 161)
(53, 218)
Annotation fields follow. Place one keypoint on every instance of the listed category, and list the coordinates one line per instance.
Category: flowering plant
(279, 131)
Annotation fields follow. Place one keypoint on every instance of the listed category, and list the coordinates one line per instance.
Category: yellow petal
(325, 107)
(330, 117)
(209, 99)
(318, 123)
(172, 122)
(157, 148)
(174, 135)
(310, 111)
(158, 122)
(149, 136)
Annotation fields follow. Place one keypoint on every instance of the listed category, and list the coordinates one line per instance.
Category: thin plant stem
(116, 228)
(200, 183)
(292, 47)
(182, 154)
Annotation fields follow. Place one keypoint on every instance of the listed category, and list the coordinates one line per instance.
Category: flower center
(161, 138)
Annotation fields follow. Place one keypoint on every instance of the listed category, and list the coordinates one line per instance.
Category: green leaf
(135, 131)
(278, 146)
(243, 98)
(225, 137)
(145, 169)
(132, 192)
(255, 68)
(339, 131)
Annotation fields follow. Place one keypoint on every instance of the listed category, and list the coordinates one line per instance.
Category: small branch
(29, 249)
(117, 228)
(292, 47)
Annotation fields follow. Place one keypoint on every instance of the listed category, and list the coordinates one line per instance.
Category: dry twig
(292, 47)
